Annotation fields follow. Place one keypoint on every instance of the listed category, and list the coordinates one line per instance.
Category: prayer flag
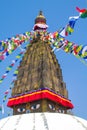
(63, 32)
(2, 109)
(6, 92)
(82, 12)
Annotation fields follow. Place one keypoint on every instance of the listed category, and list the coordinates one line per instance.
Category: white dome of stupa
(43, 121)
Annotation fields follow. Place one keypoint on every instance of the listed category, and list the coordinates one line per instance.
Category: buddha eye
(21, 109)
(51, 107)
(35, 106)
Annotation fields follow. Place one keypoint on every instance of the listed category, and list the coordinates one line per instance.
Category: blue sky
(18, 17)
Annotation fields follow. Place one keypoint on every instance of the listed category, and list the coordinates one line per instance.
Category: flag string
(9, 68)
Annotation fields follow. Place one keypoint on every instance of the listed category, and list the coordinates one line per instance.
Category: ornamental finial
(40, 13)
(40, 22)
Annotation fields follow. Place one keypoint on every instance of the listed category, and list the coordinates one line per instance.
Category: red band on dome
(41, 94)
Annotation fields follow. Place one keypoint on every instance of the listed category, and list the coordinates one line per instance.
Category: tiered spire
(39, 86)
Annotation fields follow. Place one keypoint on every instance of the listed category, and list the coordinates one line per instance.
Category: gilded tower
(39, 86)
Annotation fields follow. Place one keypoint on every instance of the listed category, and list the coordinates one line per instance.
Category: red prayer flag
(80, 10)
(7, 92)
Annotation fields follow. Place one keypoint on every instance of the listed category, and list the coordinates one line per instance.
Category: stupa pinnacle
(39, 86)
(40, 22)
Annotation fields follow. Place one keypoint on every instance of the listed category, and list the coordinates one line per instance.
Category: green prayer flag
(83, 15)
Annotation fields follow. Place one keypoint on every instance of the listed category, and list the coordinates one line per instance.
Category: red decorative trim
(41, 94)
(40, 26)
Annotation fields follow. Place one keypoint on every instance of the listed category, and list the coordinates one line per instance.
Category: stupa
(39, 97)
(40, 82)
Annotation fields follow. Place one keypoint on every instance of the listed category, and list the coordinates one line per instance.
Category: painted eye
(51, 107)
(21, 109)
(35, 106)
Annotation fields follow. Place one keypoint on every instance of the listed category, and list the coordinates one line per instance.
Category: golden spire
(40, 18)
